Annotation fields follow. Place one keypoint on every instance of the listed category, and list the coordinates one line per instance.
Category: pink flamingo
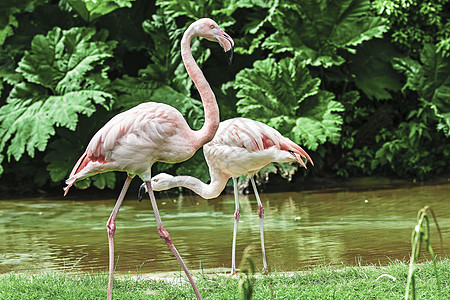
(135, 139)
(240, 146)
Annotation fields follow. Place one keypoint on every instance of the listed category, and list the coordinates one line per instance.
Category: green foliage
(317, 29)
(167, 66)
(59, 82)
(372, 69)
(90, 10)
(8, 10)
(362, 85)
(255, 15)
(285, 96)
(220, 11)
(431, 80)
(411, 148)
(414, 24)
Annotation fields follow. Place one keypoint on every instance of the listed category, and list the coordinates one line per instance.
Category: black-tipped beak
(142, 191)
(231, 51)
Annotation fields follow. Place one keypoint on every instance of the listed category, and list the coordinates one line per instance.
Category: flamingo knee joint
(261, 212)
(164, 234)
(237, 214)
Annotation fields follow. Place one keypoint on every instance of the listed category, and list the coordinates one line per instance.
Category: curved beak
(226, 42)
(142, 191)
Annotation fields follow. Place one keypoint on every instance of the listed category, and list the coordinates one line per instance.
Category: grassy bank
(320, 283)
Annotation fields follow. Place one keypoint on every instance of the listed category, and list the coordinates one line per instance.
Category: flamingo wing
(128, 141)
(256, 136)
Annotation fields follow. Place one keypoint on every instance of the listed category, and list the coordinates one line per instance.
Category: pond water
(302, 229)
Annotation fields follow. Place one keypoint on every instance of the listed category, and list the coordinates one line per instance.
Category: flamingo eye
(212, 26)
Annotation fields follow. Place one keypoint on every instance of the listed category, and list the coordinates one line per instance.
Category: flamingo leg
(166, 238)
(237, 214)
(261, 223)
(111, 228)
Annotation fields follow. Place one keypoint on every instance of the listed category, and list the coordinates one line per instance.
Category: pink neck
(212, 119)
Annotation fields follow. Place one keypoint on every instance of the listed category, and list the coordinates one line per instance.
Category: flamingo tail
(81, 163)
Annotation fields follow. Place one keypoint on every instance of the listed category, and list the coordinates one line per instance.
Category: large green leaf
(62, 76)
(321, 121)
(271, 87)
(285, 96)
(90, 10)
(373, 71)
(317, 29)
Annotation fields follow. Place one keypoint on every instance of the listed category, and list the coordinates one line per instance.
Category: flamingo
(240, 146)
(134, 140)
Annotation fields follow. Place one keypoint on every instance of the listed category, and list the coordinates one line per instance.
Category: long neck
(207, 132)
(207, 191)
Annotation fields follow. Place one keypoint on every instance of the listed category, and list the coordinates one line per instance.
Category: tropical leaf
(90, 10)
(62, 76)
(373, 71)
(430, 78)
(321, 121)
(271, 87)
(317, 29)
(285, 96)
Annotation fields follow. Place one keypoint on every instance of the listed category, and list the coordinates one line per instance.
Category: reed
(420, 235)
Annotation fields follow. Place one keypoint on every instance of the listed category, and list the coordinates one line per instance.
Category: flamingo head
(161, 182)
(209, 29)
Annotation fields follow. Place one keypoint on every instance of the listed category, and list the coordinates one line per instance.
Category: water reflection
(301, 229)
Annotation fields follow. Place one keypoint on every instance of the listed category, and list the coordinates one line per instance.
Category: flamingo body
(243, 146)
(134, 140)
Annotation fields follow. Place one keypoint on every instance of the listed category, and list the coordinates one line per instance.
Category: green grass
(361, 282)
